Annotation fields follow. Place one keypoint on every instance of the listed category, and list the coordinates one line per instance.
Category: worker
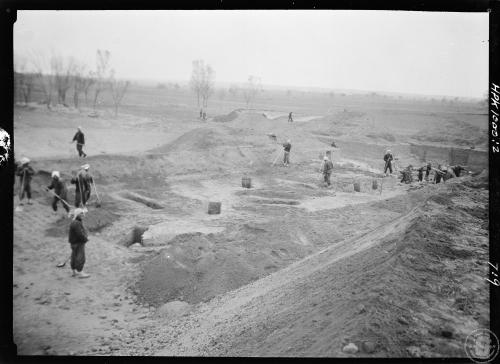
(458, 170)
(201, 113)
(78, 237)
(83, 183)
(25, 173)
(327, 170)
(427, 171)
(286, 157)
(290, 118)
(388, 157)
(421, 173)
(60, 191)
(438, 174)
(406, 175)
(80, 142)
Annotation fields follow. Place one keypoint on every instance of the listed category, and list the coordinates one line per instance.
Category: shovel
(98, 203)
(59, 197)
(60, 265)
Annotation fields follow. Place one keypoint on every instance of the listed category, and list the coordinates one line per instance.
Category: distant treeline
(56, 80)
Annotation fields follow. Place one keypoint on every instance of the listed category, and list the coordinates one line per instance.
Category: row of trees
(203, 80)
(56, 76)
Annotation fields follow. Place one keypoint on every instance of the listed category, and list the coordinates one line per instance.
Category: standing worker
(290, 118)
(327, 170)
(427, 171)
(78, 238)
(388, 157)
(421, 173)
(83, 183)
(80, 142)
(286, 157)
(60, 190)
(25, 173)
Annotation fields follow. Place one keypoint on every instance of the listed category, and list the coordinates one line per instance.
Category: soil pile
(410, 288)
(226, 118)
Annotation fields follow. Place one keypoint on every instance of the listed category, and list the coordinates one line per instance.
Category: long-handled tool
(60, 198)
(60, 265)
(98, 204)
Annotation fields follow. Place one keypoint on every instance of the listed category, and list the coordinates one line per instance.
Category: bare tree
(23, 79)
(79, 83)
(202, 81)
(252, 88)
(207, 88)
(196, 78)
(62, 72)
(42, 69)
(88, 81)
(102, 74)
(118, 90)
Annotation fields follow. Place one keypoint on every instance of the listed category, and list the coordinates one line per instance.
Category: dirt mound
(200, 139)
(409, 288)
(228, 117)
(95, 220)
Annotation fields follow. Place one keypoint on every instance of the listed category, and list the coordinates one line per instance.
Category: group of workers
(83, 182)
(440, 173)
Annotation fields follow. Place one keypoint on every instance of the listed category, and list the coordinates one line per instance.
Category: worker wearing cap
(83, 183)
(286, 157)
(78, 237)
(327, 170)
(25, 173)
(80, 142)
(60, 191)
(388, 161)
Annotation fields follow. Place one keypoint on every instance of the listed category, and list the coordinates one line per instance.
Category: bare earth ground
(289, 268)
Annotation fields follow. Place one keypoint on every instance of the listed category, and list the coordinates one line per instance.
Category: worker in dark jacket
(427, 171)
(290, 118)
(77, 239)
(438, 174)
(327, 170)
(286, 157)
(388, 161)
(80, 142)
(60, 190)
(25, 173)
(420, 174)
(83, 182)
(457, 170)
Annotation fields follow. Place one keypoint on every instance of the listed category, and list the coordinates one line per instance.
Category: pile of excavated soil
(412, 288)
(226, 118)
(95, 220)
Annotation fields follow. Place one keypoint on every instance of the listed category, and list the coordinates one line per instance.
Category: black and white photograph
(252, 183)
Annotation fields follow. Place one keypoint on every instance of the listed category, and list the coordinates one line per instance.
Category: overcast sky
(395, 51)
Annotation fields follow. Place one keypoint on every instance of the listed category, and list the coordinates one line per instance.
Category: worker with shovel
(83, 182)
(80, 142)
(78, 237)
(327, 170)
(25, 173)
(388, 157)
(60, 192)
